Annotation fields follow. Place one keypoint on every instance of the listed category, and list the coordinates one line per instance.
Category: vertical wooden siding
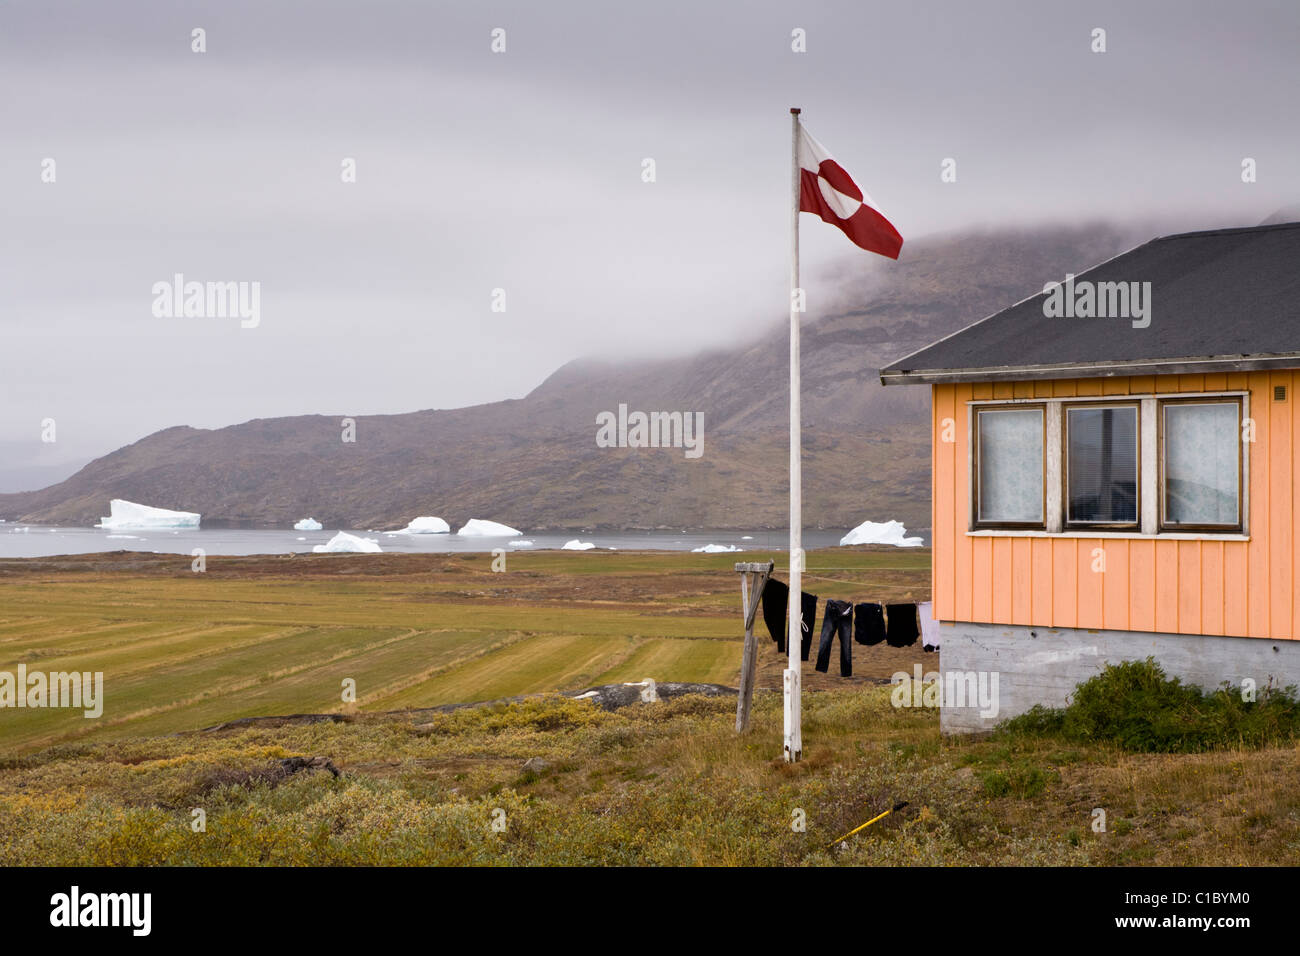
(1233, 588)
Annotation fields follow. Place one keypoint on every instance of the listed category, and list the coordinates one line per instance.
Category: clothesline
(895, 587)
(864, 570)
(896, 622)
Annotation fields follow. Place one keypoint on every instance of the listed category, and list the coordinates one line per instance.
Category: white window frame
(1165, 523)
(977, 519)
(1150, 494)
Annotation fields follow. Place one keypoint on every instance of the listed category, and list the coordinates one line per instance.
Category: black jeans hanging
(837, 618)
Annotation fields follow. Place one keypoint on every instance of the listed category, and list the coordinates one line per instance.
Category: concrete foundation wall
(1040, 665)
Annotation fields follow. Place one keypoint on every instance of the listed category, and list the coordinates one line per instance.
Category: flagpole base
(793, 729)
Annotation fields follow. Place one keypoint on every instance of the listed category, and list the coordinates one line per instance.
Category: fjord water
(19, 540)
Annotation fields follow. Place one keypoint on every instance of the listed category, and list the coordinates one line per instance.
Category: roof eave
(999, 373)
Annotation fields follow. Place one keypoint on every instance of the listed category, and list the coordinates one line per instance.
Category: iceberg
(478, 528)
(307, 524)
(576, 545)
(885, 532)
(425, 524)
(348, 543)
(521, 544)
(715, 549)
(128, 515)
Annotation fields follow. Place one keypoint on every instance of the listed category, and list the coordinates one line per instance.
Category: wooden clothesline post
(753, 578)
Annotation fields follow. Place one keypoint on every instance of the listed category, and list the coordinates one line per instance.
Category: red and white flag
(828, 191)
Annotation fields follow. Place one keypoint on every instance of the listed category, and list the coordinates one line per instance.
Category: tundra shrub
(1137, 707)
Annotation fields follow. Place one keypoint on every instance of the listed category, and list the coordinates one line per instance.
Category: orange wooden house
(1116, 468)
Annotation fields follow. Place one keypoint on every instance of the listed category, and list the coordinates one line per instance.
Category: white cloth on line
(929, 626)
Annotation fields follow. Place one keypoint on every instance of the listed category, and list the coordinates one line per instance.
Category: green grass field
(663, 783)
(270, 635)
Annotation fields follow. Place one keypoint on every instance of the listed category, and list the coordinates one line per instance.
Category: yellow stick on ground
(879, 816)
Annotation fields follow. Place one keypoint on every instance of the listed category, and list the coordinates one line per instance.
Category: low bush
(1137, 707)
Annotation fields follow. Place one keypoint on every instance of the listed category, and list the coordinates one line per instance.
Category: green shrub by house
(1135, 706)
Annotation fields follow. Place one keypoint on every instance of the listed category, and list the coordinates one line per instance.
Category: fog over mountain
(130, 158)
(386, 173)
(535, 463)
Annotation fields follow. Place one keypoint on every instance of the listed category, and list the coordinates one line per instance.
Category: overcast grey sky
(522, 170)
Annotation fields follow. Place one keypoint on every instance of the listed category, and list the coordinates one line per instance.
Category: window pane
(1011, 465)
(1102, 464)
(1202, 442)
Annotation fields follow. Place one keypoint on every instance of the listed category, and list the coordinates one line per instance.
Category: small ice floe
(479, 528)
(884, 532)
(425, 524)
(746, 537)
(348, 543)
(302, 539)
(576, 545)
(716, 549)
(307, 524)
(133, 537)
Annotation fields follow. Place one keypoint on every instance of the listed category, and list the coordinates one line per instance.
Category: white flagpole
(793, 714)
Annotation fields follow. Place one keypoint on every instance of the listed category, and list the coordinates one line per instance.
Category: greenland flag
(827, 190)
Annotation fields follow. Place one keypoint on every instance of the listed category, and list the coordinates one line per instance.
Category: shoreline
(126, 559)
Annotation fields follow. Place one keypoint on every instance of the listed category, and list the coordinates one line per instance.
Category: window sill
(1099, 533)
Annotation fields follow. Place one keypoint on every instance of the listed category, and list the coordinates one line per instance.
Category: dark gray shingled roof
(1226, 299)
